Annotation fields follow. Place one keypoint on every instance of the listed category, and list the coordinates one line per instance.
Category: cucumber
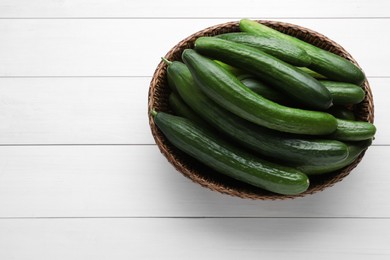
(289, 148)
(348, 130)
(344, 93)
(232, 69)
(226, 90)
(265, 91)
(225, 158)
(312, 73)
(341, 113)
(287, 78)
(171, 84)
(281, 49)
(330, 65)
(179, 107)
(354, 150)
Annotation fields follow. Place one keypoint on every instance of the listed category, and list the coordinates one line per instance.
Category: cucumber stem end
(166, 61)
(153, 112)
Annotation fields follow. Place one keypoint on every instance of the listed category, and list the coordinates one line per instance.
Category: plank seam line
(119, 76)
(141, 144)
(70, 76)
(145, 144)
(191, 217)
(195, 18)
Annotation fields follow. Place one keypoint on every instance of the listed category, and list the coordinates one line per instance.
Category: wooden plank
(195, 238)
(101, 110)
(74, 110)
(202, 8)
(137, 181)
(127, 47)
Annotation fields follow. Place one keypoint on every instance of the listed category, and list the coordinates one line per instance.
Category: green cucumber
(312, 73)
(232, 69)
(270, 143)
(281, 49)
(344, 93)
(330, 65)
(171, 84)
(225, 158)
(179, 107)
(348, 130)
(226, 90)
(354, 150)
(295, 83)
(265, 91)
(341, 113)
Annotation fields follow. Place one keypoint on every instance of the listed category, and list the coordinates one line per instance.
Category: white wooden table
(81, 177)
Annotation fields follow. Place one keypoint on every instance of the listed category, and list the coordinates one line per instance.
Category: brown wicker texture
(158, 99)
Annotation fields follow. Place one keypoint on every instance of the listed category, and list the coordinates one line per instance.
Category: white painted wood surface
(194, 238)
(133, 47)
(92, 110)
(137, 181)
(81, 178)
(202, 9)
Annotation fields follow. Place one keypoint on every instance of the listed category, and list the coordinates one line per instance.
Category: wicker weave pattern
(158, 99)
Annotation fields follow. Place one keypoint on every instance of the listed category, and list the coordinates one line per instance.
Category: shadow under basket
(201, 174)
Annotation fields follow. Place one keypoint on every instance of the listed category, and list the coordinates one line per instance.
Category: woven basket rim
(156, 96)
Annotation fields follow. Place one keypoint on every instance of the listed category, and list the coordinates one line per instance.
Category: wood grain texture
(137, 181)
(112, 47)
(194, 239)
(102, 110)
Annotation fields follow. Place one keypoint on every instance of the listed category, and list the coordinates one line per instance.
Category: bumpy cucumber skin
(354, 150)
(348, 130)
(297, 84)
(324, 62)
(281, 49)
(312, 73)
(226, 90)
(344, 93)
(171, 84)
(229, 160)
(267, 142)
(229, 68)
(181, 109)
(265, 91)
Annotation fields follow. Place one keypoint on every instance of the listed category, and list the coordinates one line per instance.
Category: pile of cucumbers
(265, 108)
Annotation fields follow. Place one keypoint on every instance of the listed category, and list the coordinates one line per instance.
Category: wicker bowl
(197, 172)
